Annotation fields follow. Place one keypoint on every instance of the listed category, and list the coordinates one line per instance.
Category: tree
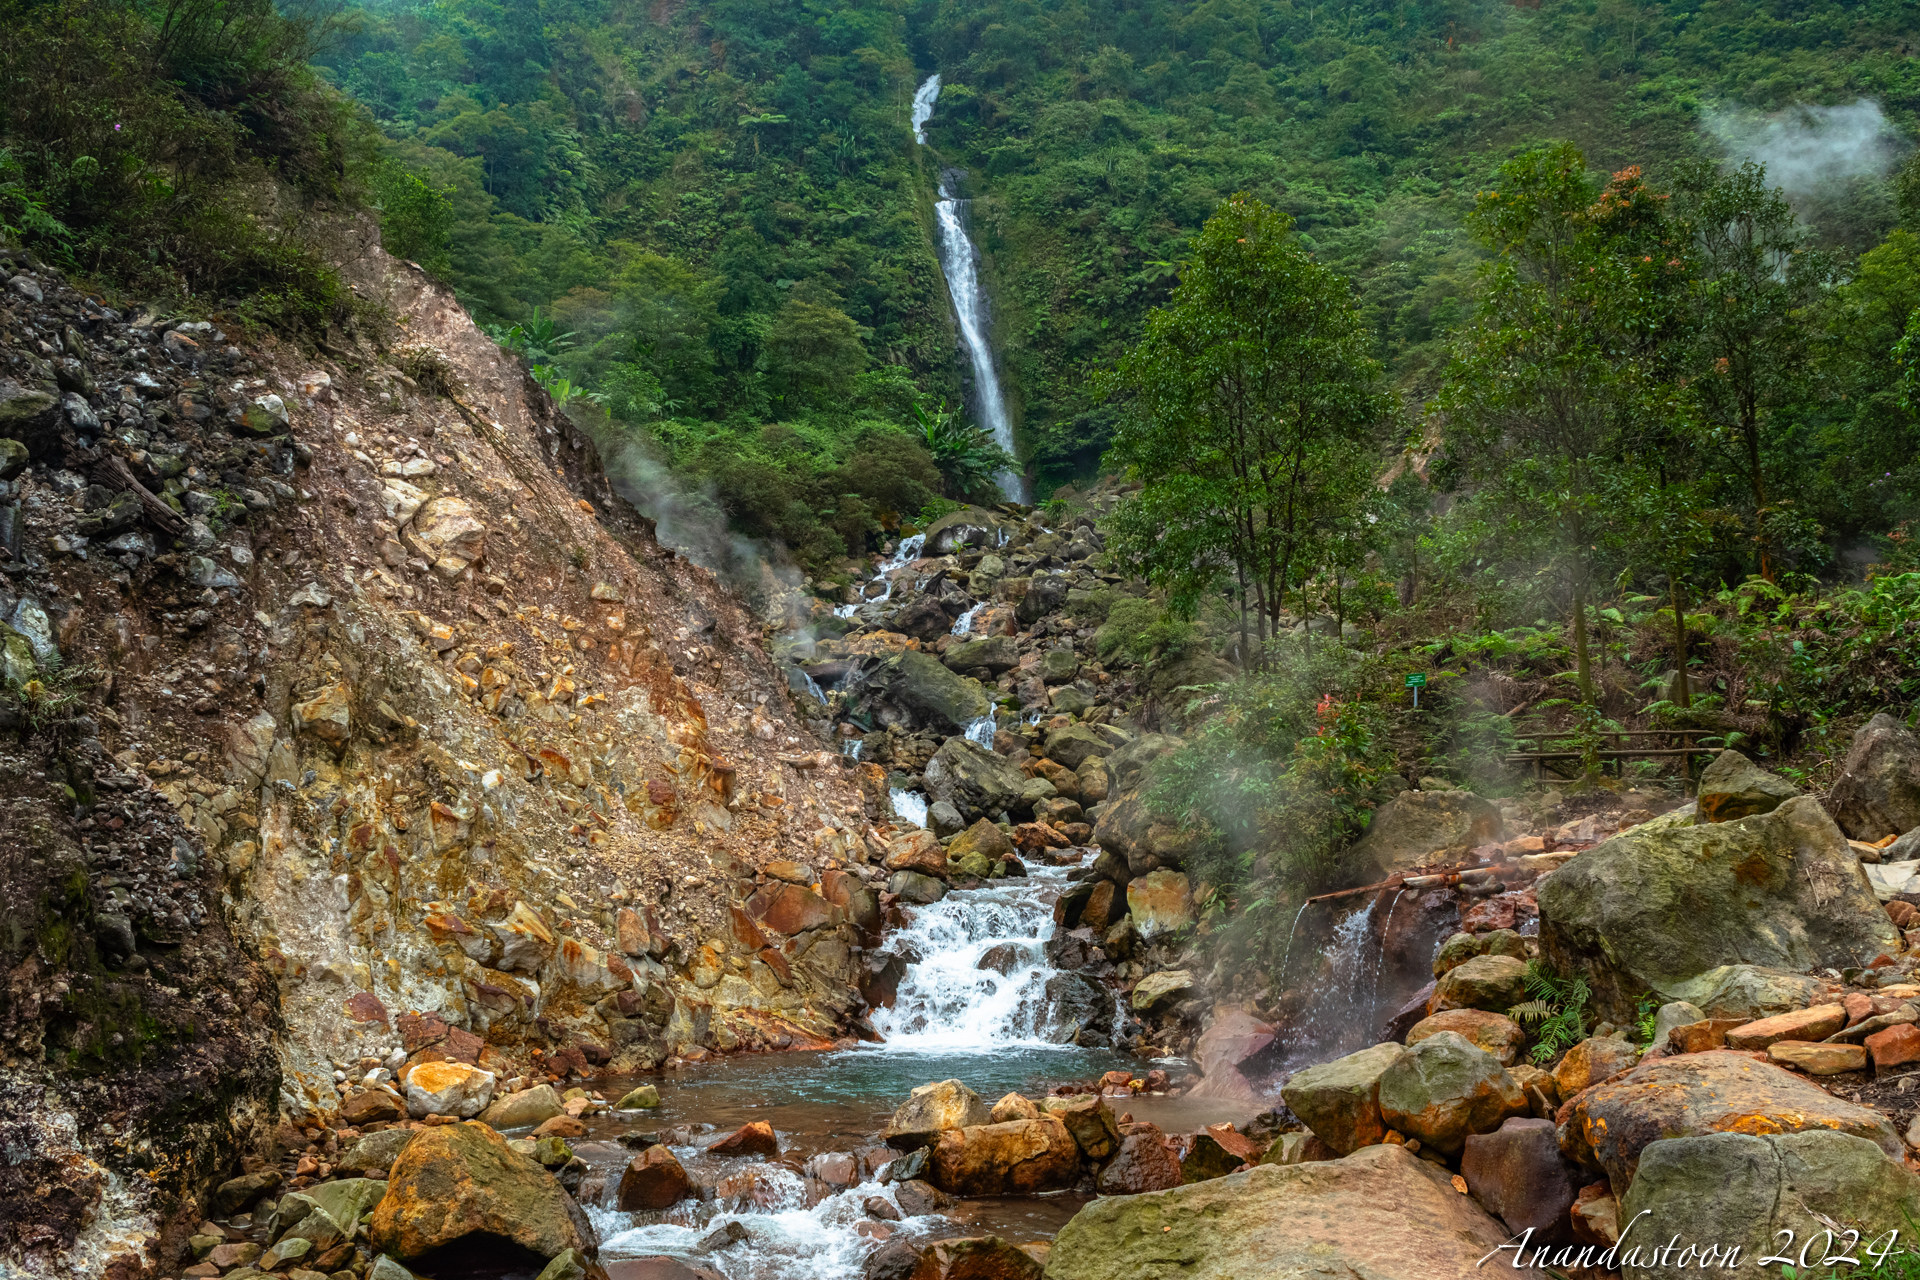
(813, 353)
(1753, 279)
(1551, 382)
(1251, 403)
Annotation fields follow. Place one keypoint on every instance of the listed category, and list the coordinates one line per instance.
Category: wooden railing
(1559, 745)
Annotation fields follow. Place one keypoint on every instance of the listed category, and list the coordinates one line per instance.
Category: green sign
(1416, 680)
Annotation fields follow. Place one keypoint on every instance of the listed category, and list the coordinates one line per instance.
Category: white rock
(448, 1089)
(400, 500)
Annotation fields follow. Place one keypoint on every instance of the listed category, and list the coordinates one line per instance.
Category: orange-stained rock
(1698, 1037)
(654, 1180)
(1894, 1047)
(1099, 911)
(1591, 1061)
(1019, 1158)
(1816, 1023)
(1818, 1059)
(462, 1180)
(975, 1258)
(1494, 1032)
(756, 1139)
(790, 909)
(1721, 1091)
(918, 850)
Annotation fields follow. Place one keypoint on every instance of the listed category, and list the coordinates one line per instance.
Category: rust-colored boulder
(791, 909)
(1593, 1060)
(918, 850)
(654, 1180)
(756, 1139)
(1143, 1162)
(1720, 1091)
(1019, 1158)
(975, 1258)
(1817, 1023)
(1894, 1047)
(462, 1180)
(1494, 1032)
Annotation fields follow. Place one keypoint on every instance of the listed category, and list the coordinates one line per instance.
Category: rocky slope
(390, 715)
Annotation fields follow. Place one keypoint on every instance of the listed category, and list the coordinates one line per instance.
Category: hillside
(762, 150)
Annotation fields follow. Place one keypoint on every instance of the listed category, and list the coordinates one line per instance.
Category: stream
(974, 1006)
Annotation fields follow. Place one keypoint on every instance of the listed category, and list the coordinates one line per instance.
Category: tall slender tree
(1754, 277)
(1252, 402)
(1549, 382)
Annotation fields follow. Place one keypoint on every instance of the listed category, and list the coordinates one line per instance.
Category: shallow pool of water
(821, 1103)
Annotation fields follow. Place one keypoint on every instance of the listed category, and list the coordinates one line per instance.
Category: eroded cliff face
(392, 708)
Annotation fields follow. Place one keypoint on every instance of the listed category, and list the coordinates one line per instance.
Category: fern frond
(1531, 1012)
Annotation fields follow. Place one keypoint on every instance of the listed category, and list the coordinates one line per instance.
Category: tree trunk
(1580, 639)
(1246, 654)
(1750, 427)
(1680, 692)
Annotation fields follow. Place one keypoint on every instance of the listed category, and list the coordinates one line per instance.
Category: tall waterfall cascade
(960, 263)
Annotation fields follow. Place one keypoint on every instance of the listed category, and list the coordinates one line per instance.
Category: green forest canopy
(718, 205)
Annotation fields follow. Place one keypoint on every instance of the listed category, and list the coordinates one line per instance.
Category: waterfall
(982, 980)
(980, 732)
(964, 624)
(910, 805)
(904, 554)
(923, 99)
(960, 263)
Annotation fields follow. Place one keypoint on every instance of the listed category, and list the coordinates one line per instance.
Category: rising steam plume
(1809, 150)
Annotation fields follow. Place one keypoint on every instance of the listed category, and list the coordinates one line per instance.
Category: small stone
(1816, 1023)
(645, 1098)
(1818, 1059)
(755, 1139)
(1894, 1047)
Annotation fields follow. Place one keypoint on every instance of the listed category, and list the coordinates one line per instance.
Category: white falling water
(923, 99)
(786, 1241)
(963, 625)
(947, 1001)
(960, 263)
(980, 732)
(904, 554)
(911, 806)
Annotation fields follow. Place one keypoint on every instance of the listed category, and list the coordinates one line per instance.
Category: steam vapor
(1810, 148)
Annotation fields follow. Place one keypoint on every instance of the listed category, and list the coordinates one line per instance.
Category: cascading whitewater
(981, 980)
(960, 263)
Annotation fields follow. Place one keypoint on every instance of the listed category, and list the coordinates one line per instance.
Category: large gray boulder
(1340, 1100)
(995, 653)
(1735, 787)
(973, 779)
(971, 526)
(1746, 1191)
(1878, 794)
(1444, 1089)
(912, 690)
(1744, 991)
(1379, 1214)
(1421, 827)
(1651, 909)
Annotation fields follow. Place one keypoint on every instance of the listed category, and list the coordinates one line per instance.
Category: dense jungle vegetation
(695, 192)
